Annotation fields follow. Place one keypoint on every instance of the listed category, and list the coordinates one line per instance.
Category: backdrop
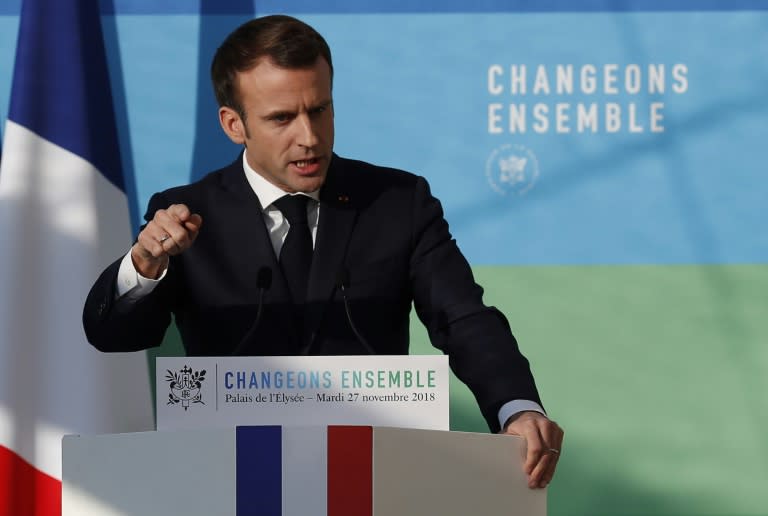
(601, 166)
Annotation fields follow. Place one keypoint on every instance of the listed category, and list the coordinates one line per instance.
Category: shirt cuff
(132, 285)
(513, 407)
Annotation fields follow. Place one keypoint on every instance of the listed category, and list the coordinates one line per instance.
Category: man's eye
(280, 118)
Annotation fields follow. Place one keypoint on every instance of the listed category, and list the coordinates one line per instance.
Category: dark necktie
(296, 254)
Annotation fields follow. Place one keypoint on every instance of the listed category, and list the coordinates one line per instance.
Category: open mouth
(307, 166)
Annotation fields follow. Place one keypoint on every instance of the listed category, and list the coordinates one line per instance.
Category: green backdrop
(657, 375)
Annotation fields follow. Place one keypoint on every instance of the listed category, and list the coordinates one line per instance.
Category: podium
(297, 471)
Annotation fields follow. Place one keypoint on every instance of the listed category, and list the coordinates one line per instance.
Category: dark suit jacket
(382, 227)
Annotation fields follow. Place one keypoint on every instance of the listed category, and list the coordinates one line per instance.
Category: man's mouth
(307, 166)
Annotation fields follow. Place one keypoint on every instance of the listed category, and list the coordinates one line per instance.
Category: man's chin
(307, 183)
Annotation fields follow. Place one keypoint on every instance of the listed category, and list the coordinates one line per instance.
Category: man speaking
(293, 250)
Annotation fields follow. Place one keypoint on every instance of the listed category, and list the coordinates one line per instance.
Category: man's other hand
(543, 440)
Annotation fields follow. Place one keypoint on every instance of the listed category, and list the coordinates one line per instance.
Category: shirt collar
(266, 191)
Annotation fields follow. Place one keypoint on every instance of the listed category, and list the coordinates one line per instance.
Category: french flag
(63, 218)
(280, 471)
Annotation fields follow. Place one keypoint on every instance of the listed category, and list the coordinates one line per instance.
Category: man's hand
(170, 232)
(544, 441)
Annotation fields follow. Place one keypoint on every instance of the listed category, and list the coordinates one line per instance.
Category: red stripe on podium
(350, 471)
(24, 490)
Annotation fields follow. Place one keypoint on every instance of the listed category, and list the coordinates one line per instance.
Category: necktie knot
(293, 208)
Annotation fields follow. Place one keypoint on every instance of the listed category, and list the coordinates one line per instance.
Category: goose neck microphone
(263, 283)
(342, 282)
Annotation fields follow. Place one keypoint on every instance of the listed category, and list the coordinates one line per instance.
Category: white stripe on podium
(305, 470)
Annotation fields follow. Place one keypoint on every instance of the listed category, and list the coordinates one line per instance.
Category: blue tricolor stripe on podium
(259, 470)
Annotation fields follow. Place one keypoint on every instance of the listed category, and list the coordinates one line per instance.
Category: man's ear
(232, 124)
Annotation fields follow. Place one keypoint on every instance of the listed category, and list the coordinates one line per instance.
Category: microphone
(342, 281)
(263, 283)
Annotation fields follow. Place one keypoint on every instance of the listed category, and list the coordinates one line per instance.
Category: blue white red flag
(285, 471)
(63, 217)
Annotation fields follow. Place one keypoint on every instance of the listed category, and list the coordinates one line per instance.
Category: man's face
(288, 131)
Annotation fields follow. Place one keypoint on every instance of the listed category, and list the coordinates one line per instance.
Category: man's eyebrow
(278, 113)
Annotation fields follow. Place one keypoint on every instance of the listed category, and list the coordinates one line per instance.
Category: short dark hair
(284, 40)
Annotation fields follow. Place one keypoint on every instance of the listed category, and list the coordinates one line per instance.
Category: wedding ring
(554, 450)
(164, 238)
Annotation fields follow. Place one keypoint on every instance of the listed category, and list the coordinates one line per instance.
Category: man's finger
(524, 425)
(150, 240)
(545, 468)
(180, 212)
(534, 445)
(166, 219)
(172, 244)
(193, 224)
(166, 223)
(552, 435)
(544, 440)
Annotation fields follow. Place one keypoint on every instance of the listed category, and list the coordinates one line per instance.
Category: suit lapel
(337, 218)
(253, 250)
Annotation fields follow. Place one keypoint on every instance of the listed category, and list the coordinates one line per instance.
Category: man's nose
(307, 134)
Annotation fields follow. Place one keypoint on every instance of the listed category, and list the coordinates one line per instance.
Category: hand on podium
(543, 440)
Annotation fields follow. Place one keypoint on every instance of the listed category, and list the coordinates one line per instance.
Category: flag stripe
(25, 490)
(350, 470)
(60, 82)
(63, 218)
(259, 470)
(305, 467)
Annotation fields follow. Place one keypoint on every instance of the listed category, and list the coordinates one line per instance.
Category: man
(247, 269)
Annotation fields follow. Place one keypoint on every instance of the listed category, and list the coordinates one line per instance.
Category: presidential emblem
(185, 386)
(512, 169)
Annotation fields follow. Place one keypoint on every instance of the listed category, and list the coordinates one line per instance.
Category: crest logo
(185, 386)
(512, 169)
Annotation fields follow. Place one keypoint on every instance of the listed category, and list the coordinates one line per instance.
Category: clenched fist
(170, 232)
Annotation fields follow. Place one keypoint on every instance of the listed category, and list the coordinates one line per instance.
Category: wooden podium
(297, 471)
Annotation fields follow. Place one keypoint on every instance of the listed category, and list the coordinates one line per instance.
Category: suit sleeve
(482, 351)
(113, 324)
